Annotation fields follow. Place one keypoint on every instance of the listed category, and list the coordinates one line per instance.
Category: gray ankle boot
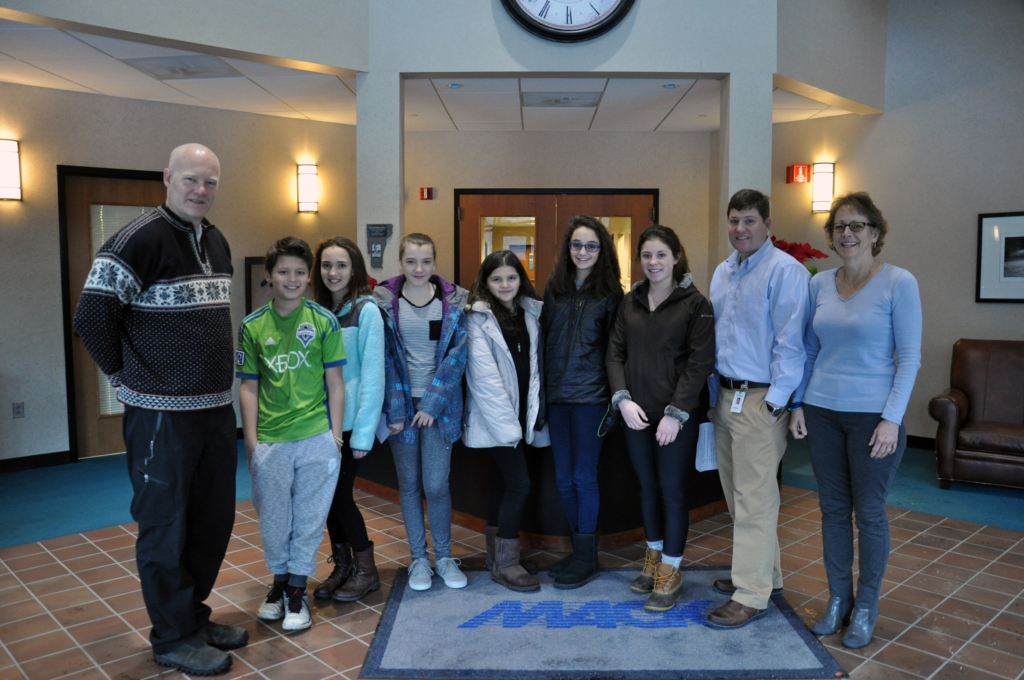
(490, 532)
(507, 570)
(364, 579)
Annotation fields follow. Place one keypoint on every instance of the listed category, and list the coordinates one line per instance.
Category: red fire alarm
(800, 174)
(427, 193)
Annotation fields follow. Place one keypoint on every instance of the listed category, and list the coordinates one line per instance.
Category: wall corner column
(744, 148)
(380, 166)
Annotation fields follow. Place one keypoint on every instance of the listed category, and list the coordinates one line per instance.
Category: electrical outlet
(19, 409)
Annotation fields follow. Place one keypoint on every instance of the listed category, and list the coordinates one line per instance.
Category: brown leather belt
(733, 384)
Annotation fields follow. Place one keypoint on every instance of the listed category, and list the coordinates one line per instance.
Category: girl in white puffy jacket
(504, 407)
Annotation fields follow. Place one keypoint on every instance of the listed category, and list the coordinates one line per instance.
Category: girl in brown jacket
(661, 351)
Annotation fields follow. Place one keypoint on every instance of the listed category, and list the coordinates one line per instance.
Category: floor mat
(599, 631)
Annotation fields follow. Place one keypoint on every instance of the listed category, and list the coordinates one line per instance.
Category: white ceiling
(67, 60)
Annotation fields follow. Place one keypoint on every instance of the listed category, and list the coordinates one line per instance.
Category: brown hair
(745, 199)
(859, 202)
(605, 280)
(669, 238)
(289, 245)
(358, 284)
(480, 291)
(416, 239)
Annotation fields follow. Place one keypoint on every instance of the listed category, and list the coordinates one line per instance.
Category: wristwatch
(776, 412)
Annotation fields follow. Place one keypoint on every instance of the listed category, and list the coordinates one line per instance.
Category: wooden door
(523, 223)
(96, 208)
(625, 215)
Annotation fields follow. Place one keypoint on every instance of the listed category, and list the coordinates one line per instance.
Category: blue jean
(423, 466)
(576, 449)
(852, 483)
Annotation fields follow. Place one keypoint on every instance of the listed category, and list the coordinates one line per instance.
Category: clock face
(567, 20)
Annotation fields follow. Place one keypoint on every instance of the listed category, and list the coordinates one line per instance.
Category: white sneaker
(448, 569)
(419, 574)
(272, 608)
(297, 616)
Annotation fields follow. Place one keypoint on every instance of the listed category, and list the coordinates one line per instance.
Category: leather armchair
(981, 416)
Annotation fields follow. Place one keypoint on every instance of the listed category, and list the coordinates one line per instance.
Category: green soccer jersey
(288, 356)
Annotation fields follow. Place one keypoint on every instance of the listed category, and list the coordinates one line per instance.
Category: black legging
(345, 523)
(663, 472)
(509, 490)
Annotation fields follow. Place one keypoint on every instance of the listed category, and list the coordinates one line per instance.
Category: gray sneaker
(195, 657)
(448, 569)
(419, 574)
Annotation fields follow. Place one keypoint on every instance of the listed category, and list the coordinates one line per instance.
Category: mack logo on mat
(595, 613)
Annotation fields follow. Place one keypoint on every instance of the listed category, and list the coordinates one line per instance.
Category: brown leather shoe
(726, 587)
(644, 583)
(733, 615)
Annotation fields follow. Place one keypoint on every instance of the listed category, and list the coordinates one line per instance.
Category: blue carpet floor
(916, 488)
(96, 493)
(69, 499)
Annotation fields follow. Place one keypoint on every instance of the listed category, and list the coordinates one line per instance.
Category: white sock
(655, 545)
(672, 561)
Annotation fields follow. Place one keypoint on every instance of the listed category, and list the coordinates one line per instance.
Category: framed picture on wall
(1000, 257)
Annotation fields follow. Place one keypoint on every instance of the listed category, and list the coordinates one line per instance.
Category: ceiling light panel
(568, 120)
(563, 84)
(561, 100)
(22, 73)
(29, 44)
(126, 49)
(193, 67)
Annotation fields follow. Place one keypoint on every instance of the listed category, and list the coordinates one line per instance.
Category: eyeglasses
(576, 246)
(855, 227)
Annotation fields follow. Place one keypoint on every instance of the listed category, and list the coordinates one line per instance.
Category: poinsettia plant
(802, 252)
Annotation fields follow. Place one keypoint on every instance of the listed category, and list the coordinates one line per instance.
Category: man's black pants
(182, 466)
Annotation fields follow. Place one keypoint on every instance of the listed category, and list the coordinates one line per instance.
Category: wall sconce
(823, 182)
(10, 171)
(309, 192)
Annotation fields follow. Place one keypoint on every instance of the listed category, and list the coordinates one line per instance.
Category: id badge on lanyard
(737, 401)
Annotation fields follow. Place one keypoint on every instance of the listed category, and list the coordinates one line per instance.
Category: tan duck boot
(668, 588)
(644, 583)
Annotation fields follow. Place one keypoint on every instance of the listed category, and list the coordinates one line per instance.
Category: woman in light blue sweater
(340, 283)
(863, 353)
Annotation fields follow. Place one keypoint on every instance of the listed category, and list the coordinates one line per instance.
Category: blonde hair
(416, 239)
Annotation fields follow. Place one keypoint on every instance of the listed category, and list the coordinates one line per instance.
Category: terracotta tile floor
(953, 602)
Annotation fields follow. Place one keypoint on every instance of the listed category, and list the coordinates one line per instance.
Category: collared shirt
(761, 309)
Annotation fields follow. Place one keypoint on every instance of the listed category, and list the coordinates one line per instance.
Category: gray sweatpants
(292, 488)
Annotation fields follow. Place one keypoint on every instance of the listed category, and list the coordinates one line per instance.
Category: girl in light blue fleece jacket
(341, 284)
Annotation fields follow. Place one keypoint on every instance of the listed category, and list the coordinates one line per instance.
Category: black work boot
(342, 559)
(583, 568)
(364, 579)
(195, 657)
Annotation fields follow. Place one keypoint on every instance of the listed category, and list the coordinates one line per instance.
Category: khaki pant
(749, 452)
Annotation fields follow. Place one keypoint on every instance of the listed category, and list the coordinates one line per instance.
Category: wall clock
(567, 20)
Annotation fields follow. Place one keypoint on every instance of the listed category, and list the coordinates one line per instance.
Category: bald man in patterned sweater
(155, 315)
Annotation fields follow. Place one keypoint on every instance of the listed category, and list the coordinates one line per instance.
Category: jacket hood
(683, 289)
(387, 291)
(531, 306)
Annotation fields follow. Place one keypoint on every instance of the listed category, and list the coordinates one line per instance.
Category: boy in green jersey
(290, 357)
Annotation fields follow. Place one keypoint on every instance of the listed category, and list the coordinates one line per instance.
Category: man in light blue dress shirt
(760, 297)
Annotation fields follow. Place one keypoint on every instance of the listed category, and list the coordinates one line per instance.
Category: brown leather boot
(363, 581)
(668, 588)
(342, 559)
(490, 532)
(644, 583)
(507, 571)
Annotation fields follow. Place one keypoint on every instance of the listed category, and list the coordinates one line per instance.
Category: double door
(533, 224)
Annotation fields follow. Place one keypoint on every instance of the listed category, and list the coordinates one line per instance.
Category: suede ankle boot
(507, 571)
(363, 581)
(644, 583)
(583, 568)
(490, 532)
(342, 559)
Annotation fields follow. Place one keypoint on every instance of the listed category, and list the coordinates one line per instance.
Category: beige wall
(255, 205)
(675, 163)
(948, 147)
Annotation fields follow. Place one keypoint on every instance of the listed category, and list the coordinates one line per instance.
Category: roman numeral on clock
(543, 14)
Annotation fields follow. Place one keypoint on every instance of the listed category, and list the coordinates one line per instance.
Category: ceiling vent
(561, 100)
(187, 67)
